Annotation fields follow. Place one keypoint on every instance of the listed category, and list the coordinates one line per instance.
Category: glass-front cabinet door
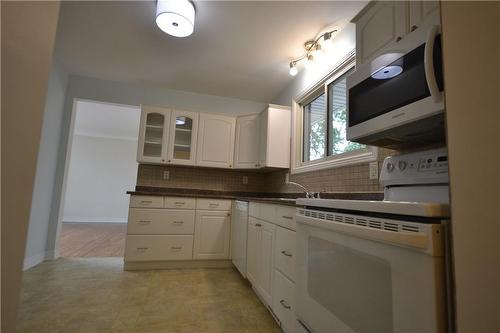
(183, 136)
(153, 135)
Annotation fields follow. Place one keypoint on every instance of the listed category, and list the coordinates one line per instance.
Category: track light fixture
(313, 50)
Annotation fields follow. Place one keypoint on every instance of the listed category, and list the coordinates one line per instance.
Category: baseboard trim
(37, 259)
(84, 219)
(181, 264)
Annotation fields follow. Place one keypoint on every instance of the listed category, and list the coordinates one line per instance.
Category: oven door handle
(304, 326)
(430, 75)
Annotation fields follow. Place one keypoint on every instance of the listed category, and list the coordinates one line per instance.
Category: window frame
(368, 154)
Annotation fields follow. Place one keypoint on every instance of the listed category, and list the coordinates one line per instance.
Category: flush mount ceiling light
(313, 50)
(175, 17)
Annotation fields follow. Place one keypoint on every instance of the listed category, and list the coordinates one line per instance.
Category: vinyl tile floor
(95, 295)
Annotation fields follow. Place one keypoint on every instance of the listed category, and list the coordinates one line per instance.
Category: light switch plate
(373, 170)
(245, 180)
(166, 175)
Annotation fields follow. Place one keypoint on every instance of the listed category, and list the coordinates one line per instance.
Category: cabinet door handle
(146, 201)
(178, 222)
(176, 248)
(258, 225)
(144, 221)
(413, 28)
(179, 203)
(286, 253)
(285, 304)
(142, 249)
(287, 217)
(213, 205)
(398, 38)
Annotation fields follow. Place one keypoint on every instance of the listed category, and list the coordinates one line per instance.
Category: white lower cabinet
(271, 259)
(260, 249)
(284, 301)
(159, 247)
(212, 235)
(160, 221)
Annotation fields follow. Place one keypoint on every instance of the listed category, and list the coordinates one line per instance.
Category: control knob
(390, 167)
(402, 165)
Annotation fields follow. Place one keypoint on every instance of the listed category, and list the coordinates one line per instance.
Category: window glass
(315, 120)
(337, 114)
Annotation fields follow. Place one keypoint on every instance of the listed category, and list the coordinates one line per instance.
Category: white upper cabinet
(422, 13)
(274, 141)
(246, 147)
(216, 135)
(378, 25)
(382, 24)
(153, 135)
(183, 137)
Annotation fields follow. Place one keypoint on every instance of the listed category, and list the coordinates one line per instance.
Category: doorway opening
(102, 167)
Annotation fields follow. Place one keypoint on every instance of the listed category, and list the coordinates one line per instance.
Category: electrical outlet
(287, 178)
(166, 175)
(245, 180)
(373, 170)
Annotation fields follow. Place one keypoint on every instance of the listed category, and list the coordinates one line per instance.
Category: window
(320, 123)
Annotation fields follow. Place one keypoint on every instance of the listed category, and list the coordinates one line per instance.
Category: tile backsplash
(353, 178)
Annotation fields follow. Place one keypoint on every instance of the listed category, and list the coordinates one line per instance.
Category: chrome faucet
(309, 194)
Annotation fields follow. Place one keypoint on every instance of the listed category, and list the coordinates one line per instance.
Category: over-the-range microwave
(396, 100)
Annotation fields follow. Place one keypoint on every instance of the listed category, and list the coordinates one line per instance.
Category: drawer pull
(286, 253)
(146, 201)
(258, 225)
(213, 205)
(178, 203)
(144, 222)
(176, 248)
(178, 222)
(287, 217)
(142, 249)
(285, 304)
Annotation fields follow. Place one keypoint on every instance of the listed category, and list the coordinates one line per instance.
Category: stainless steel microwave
(396, 100)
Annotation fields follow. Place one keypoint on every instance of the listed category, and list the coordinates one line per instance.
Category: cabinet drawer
(213, 204)
(284, 301)
(158, 247)
(180, 203)
(160, 221)
(285, 216)
(146, 201)
(284, 254)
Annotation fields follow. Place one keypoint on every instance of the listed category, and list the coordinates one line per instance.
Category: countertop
(269, 197)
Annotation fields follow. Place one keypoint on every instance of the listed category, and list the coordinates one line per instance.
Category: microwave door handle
(430, 76)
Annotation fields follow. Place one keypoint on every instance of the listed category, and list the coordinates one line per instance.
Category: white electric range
(378, 266)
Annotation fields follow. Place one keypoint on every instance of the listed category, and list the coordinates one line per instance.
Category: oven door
(359, 279)
(402, 86)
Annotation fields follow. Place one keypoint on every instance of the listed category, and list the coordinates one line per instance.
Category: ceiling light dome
(175, 17)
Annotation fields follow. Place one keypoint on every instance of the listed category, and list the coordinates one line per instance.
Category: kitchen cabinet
(274, 141)
(284, 301)
(377, 26)
(284, 255)
(382, 24)
(153, 135)
(183, 138)
(212, 235)
(246, 146)
(422, 13)
(260, 249)
(216, 134)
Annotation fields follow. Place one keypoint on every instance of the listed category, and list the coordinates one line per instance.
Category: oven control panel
(427, 167)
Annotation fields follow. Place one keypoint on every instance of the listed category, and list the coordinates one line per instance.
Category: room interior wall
(28, 35)
(100, 171)
(36, 245)
(472, 81)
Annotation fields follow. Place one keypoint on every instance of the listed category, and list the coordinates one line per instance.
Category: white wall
(344, 42)
(472, 87)
(28, 34)
(46, 168)
(101, 170)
